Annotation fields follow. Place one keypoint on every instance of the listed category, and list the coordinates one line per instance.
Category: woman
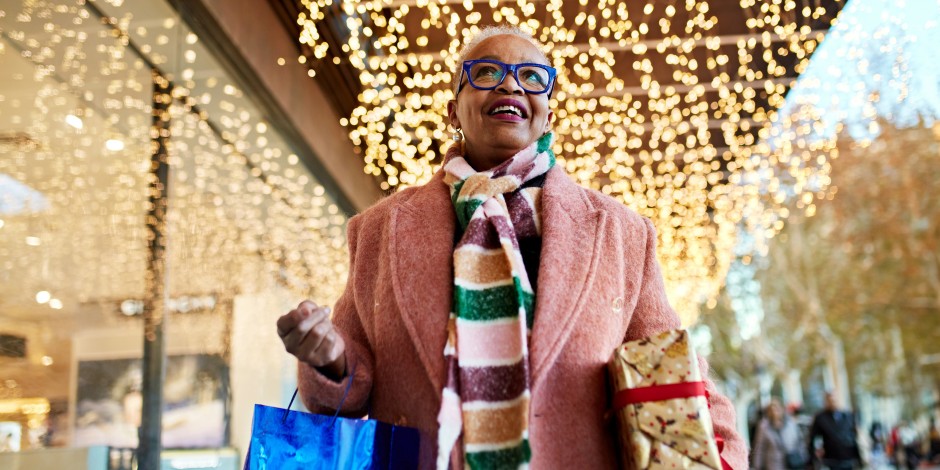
(777, 436)
(544, 279)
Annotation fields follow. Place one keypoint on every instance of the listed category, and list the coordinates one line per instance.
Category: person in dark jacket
(837, 429)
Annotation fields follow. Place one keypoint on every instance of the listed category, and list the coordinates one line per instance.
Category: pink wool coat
(599, 285)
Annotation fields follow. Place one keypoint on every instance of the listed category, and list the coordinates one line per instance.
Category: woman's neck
(484, 159)
(488, 163)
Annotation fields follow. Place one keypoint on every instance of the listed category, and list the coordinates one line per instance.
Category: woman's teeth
(507, 109)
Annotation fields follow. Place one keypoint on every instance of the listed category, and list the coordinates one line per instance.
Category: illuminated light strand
(651, 147)
(244, 215)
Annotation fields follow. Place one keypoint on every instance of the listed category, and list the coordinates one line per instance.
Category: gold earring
(458, 135)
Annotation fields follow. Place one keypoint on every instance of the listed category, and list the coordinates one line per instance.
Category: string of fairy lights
(650, 146)
(244, 215)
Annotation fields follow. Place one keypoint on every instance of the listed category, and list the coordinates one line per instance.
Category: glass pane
(250, 231)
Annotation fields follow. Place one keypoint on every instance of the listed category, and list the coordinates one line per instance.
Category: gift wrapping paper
(671, 433)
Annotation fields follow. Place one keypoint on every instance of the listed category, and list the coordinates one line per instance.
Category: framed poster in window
(195, 408)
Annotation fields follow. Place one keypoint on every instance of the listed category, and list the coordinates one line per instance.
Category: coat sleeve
(321, 394)
(654, 315)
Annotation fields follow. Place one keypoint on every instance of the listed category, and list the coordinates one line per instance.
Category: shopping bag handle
(352, 373)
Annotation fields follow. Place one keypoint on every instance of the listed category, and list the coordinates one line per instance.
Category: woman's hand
(308, 333)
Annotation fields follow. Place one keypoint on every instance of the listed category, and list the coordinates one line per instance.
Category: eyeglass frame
(512, 69)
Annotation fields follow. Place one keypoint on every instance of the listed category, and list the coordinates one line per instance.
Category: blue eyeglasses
(487, 74)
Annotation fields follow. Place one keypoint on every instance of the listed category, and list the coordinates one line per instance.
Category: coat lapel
(572, 231)
(422, 239)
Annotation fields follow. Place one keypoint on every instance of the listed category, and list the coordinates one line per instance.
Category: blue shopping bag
(282, 439)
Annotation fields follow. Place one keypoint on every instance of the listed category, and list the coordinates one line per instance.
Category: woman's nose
(510, 86)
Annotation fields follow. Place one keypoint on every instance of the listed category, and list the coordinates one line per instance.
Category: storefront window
(248, 227)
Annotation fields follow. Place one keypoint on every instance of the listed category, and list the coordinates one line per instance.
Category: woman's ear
(452, 114)
(549, 121)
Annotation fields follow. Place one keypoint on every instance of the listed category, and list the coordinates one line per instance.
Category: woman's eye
(487, 71)
(532, 76)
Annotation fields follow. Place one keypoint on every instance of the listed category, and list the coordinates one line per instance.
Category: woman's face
(493, 137)
(775, 410)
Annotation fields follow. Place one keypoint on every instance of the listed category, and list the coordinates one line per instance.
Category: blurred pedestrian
(893, 449)
(779, 442)
(877, 435)
(933, 452)
(837, 429)
(879, 445)
(908, 446)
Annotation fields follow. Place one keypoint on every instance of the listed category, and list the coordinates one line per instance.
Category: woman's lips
(507, 117)
(508, 110)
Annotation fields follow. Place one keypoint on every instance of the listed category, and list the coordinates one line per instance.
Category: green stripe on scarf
(527, 301)
(493, 303)
(465, 210)
(545, 145)
(500, 459)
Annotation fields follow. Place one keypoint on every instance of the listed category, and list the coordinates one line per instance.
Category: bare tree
(864, 271)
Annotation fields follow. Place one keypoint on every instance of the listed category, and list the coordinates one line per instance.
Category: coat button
(617, 305)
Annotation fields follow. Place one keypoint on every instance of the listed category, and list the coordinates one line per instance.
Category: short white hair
(485, 34)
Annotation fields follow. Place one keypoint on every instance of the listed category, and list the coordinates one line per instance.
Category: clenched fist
(308, 333)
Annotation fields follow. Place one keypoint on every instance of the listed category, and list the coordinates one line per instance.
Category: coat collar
(422, 244)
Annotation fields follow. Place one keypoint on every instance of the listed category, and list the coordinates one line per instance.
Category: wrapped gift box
(660, 405)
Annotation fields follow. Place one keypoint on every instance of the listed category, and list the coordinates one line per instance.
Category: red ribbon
(658, 393)
(719, 441)
(632, 396)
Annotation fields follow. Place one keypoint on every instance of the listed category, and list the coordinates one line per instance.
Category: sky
(877, 48)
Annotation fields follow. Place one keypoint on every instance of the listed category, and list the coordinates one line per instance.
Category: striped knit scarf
(487, 354)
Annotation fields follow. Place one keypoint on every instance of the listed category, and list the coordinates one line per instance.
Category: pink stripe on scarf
(489, 341)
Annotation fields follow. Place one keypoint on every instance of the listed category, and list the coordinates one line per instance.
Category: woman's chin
(504, 139)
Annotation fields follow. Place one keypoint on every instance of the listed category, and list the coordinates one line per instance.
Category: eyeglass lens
(489, 75)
